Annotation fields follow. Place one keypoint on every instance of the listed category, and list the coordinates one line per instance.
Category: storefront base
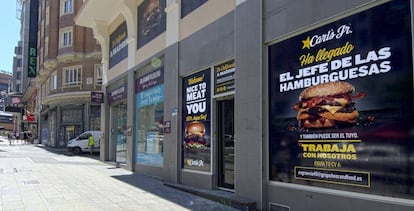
(152, 171)
(297, 197)
(220, 196)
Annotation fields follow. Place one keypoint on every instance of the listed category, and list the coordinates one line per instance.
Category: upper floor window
(98, 74)
(47, 87)
(66, 7)
(187, 6)
(66, 37)
(72, 76)
(19, 74)
(53, 81)
(19, 62)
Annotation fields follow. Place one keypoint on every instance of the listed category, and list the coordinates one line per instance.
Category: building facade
(21, 85)
(206, 94)
(68, 73)
(6, 118)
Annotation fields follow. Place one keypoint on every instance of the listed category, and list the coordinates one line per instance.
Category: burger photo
(194, 135)
(152, 16)
(327, 105)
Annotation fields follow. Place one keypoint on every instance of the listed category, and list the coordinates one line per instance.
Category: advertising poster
(341, 104)
(151, 20)
(118, 50)
(150, 118)
(196, 121)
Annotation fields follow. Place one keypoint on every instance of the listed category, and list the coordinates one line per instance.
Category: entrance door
(119, 123)
(225, 126)
(70, 132)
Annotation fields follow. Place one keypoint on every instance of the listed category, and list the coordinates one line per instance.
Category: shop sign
(224, 77)
(29, 118)
(341, 104)
(118, 49)
(167, 126)
(150, 80)
(196, 121)
(97, 97)
(117, 94)
(32, 58)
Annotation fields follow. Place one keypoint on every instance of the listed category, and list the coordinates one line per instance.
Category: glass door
(69, 133)
(119, 131)
(226, 143)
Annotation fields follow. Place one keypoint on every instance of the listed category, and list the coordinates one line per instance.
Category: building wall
(249, 125)
(84, 51)
(242, 30)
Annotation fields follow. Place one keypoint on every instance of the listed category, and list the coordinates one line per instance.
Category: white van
(80, 143)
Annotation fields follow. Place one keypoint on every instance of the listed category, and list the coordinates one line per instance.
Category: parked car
(80, 143)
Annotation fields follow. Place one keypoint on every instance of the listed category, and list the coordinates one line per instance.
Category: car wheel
(77, 150)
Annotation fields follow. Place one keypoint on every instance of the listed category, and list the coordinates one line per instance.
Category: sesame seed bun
(327, 89)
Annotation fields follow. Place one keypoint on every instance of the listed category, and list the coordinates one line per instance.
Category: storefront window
(150, 118)
(370, 148)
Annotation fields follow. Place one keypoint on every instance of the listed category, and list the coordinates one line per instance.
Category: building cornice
(67, 97)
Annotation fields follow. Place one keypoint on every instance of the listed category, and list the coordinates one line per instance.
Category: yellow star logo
(306, 43)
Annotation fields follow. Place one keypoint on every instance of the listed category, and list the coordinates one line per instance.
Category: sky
(10, 34)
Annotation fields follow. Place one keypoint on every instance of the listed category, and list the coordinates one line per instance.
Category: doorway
(226, 143)
(69, 132)
(119, 131)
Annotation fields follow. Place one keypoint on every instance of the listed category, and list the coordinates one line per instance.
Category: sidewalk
(33, 178)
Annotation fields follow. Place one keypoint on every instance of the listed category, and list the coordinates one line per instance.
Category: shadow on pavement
(154, 186)
(157, 187)
(64, 151)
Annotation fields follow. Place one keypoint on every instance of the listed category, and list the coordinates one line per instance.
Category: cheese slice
(341, 101)
(331, 109)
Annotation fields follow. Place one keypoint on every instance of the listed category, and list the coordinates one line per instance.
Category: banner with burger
(196, 121)
(151, 20)
(341, 104)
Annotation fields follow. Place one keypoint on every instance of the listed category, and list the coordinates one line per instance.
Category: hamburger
(194, 135)
(151, 16)
(327, 105)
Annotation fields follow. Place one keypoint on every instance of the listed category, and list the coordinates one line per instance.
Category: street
(33, 177)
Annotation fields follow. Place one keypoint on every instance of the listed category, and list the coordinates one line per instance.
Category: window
(47, 87)
(98, 74)
(19, 62)
(46, 47)
(72, 76)
(66, 37)
(66, 7)
(47, 16)
(53, 82)
(187, 6)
